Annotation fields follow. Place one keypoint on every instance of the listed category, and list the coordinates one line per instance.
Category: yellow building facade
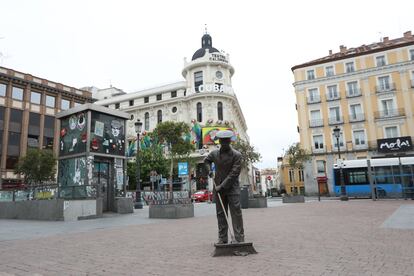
(292, 179)
(368, 93)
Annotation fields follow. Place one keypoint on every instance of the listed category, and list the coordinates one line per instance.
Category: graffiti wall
(73, 134)
(73, 178)
(107, 134)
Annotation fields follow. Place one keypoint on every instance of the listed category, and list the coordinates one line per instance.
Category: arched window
(199, 112)
(159, 116)
(146, 121)
(220, 111)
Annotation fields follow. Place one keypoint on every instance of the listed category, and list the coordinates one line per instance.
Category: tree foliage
(37, 166)
(296, 157)
(249, 155)
(151, 159)
(174, 135)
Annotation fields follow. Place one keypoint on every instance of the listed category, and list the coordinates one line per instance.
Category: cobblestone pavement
(315, 238)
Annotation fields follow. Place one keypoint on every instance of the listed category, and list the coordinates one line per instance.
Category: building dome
(206, 43)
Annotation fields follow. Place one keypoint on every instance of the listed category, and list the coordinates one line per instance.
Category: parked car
(202, 195)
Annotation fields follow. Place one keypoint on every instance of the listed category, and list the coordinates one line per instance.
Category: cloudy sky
(141, 44)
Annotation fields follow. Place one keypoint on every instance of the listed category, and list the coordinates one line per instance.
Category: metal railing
(314, 99)
(385, 87)
(336, 120)
(316, 123)
(353, 93)
(357, 117)
(389, 113)
(38, 192)
(333, 97)
(164, 198)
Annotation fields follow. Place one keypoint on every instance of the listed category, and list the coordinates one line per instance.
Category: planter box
(171, 211)
(54, 209)
(124, 205)
(258, 202)
(294, 199)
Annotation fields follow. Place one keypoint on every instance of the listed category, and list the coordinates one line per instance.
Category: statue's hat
(223, 134)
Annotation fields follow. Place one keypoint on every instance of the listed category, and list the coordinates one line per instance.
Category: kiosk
(92, 161)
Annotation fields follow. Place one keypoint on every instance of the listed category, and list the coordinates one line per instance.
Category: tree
(37, 167)
(151, 159)
(175, 136)
(249, 155)
(296, 157)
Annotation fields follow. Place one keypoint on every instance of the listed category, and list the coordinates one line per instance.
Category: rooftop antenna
(205, 28)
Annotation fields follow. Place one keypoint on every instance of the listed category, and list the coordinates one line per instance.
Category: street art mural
(73, 134)
(73, 178)
(107, 134)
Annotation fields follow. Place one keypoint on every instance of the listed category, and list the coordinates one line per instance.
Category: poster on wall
(107, 134)
(73, 134)
(209, 135)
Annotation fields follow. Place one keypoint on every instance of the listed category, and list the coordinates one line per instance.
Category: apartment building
(368, 93)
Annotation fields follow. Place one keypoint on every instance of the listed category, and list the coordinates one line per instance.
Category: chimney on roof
(330, 52)
(342, 48)
(385, 39)
(407, 34)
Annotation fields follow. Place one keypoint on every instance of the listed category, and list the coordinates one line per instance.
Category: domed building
(205, 99)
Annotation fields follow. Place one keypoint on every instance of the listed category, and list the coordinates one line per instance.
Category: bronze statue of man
(227, 163)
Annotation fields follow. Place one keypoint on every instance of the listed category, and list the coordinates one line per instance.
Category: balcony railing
(358, 117)
(314, 99)
(336, 120)
(386, 87)
(353, 93)
(333, 97)
(389, 113)
(319, 149)
(316, 123)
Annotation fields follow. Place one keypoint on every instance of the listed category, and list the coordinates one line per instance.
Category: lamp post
(337, 134)
(138, 203)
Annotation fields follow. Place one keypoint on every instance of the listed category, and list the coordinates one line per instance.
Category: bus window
(383, 175)
(357, 177)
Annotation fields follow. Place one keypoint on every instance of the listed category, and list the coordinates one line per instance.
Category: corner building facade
(368, 93)
(205, 100)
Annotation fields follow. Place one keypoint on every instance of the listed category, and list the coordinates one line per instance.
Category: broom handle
(230, 227)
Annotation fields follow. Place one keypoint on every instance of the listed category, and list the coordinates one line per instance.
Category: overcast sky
(141, 44)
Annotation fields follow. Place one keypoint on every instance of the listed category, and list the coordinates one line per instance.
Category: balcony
(316, 123)
(333, 97)
(336, 120)
(358, 117)
(389, 113)
(318, 149)
(385, 87)
(353, 93)
(363, 145)
(314, 99)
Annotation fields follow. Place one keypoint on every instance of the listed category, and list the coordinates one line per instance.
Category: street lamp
(337, 134)
(138, 202)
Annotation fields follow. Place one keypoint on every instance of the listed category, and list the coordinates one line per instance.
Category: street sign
(182, 168)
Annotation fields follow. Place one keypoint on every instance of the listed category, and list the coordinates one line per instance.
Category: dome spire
(206, 43)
